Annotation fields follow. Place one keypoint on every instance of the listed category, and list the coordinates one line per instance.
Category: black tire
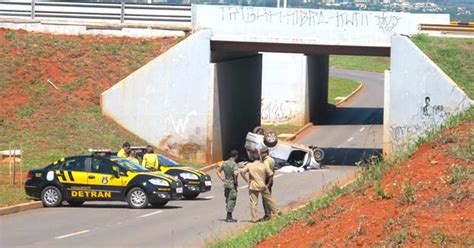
(258, 129)
(75, 203)
(51, 196)
(318, 154)
(270, 139)
(137, 198)
(159, 204)
(191, 196)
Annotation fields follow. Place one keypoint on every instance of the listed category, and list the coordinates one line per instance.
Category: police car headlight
(187, 175)
(159, 182)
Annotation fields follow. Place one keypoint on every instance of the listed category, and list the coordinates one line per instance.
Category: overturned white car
(285, 153)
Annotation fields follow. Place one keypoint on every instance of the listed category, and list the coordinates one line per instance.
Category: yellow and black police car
(194, 181)
(90, 178)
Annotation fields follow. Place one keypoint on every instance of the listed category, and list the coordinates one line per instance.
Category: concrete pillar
(239, 87)
(284, 90)
(317, 79)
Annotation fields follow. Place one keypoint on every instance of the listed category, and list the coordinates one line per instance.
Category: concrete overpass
(204, 94)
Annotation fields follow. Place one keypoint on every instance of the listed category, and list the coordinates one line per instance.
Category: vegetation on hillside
(340, 87)
(50, 93)
(363, 63)
(454, 56)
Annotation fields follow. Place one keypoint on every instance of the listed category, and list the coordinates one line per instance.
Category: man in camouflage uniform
(231, 170)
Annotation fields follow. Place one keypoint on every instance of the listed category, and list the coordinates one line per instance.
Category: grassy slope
(340, 87)
(363, 63)
(47, 123)
(454, 56)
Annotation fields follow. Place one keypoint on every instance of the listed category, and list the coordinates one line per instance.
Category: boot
(229, 218)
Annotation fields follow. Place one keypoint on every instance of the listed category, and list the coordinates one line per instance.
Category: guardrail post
(122, 11)
(33, 9)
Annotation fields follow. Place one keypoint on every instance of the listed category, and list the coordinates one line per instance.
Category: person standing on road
(270, 163)
(123, 153)
(258, 173)
(150, 159)
(231, 172)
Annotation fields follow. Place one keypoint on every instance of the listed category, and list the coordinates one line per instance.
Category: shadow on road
(354, 116)
(118, 206)
(196, 199)
(348, 156)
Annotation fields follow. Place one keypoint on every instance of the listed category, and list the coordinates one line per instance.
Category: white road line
(319, 170)
(72, 234)
(209, 197)
(349, 140)
(243, 187)
(362, 129)
(150, 214)
(279, 175)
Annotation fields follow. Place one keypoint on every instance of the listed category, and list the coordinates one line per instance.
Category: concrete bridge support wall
(168, 101)
(284, 98)
(419, 97)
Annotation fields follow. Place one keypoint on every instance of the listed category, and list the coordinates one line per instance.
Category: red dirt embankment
(80, 66)
(50, 88)
(427, 207)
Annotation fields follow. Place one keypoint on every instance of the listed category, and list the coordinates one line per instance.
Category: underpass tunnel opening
(238, 87)
(325, 89)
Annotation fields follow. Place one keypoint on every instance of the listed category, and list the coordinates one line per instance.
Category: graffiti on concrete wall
(179, 125)
(428, 118)
(311, 18)
(279, 111)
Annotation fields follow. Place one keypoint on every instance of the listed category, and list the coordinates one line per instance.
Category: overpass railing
(102, 12)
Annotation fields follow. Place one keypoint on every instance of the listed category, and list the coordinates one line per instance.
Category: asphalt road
(354, 129)
(199, 222)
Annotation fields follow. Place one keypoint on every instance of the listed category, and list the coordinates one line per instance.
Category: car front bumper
(202, 185)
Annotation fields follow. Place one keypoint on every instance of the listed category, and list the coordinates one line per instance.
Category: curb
(211, 167)
(302, 129)
(350, 95)
(21, 207)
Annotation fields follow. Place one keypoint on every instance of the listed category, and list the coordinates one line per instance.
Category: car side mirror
(116, 172)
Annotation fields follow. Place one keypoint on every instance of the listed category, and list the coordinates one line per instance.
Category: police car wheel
(137, 198)
(51, 196)
(191, 196)
(75, 203)
(159, 204)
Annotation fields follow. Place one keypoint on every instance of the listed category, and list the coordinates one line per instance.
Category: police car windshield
(164, 161)
(131, 166)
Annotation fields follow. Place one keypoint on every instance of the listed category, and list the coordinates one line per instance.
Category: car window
(74, 164)
(165, 161)
(131, 166)
(100, 165)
